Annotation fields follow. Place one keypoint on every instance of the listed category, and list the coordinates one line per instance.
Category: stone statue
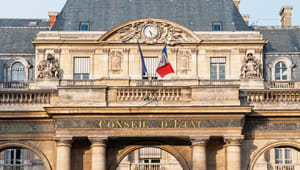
(49, 69)
(252, 68)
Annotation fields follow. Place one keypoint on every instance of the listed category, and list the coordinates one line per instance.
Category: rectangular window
(217, 68)
(14, 156)
(217, 26)
(283, 156)
(84, 26)
(151, 65)
(81, 68)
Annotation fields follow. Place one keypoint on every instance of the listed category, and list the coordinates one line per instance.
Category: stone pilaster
(63, 154)
(98, 152)
(233, 152)
(199, 153)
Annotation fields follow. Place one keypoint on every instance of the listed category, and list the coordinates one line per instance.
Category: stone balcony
(124, 92)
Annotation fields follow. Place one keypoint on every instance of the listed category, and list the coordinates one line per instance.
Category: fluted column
(233, 152)
(199, 153)
(63, 154)
(98, 152)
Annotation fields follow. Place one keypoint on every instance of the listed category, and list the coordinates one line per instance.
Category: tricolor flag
(164, 66)
(144, 68)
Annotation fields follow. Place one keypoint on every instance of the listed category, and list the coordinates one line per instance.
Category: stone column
(233, 152)
(98, 152)
(63, 154)
(199, 153)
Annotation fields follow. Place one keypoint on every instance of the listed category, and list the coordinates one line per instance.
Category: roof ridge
(33, 27)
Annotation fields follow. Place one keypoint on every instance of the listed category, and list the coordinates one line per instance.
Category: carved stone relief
(164, 33)
(252, 68)
(49, 69)
(184, 61)
(116, 60)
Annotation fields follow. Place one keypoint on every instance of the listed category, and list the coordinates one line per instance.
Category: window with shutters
(81, 68)
(217, 68)
(150, 155)
(151, 65)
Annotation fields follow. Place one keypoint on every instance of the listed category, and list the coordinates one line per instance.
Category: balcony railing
(25, 97)
(147, 166)
(280, 84)
(15, 85)
(273, 96)
(149, 93)
(77, 82)
(284, 167)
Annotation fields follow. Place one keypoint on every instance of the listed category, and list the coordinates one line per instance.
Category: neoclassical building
(73, 95)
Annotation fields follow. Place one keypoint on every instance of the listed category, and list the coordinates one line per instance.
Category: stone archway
(29, 146)
(182, 152)
(268, 147)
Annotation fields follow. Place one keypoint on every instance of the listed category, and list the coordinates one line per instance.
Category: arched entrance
(16, 155)
(282, 155)
(149, 158)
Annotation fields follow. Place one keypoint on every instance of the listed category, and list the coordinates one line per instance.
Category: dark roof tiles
(104, 15)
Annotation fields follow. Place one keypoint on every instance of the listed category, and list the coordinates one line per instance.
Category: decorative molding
(167, 32)
(199, 140)
(106, 50)
(116, 60)
(233, 140)
(243, 50)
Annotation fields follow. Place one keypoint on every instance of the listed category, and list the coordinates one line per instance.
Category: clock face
(150, 31)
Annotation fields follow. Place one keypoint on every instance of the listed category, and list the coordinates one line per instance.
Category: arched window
(17, 72)
(281, 71)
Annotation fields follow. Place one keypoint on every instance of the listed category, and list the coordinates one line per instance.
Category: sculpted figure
(251, 68)
(49, 68)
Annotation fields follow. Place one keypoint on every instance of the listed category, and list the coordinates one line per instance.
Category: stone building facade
(73, 96)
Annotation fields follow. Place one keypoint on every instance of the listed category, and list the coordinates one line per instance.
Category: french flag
(164, 66)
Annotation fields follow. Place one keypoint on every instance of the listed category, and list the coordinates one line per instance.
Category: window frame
(219, 23)
(282, 158)
(289, 66)
(84, 23)
(218, 66)
(10, 64)
(154, 74)
(12, 159)
(82, 76)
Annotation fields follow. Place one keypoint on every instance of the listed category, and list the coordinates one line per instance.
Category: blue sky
(262, 12)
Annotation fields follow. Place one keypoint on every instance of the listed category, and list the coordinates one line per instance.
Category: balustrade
(77, 82)
(273, 96)
(15, 85)
(284, 167)
(281, 84)
(147, 166)
(149, 93)
(25, 98)
(219, 82)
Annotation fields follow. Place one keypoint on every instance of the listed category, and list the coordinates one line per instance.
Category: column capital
(199, 140)
(97, 140)
(64, 141)
(233, 140)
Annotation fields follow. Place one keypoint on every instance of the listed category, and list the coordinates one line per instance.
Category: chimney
(286, 16)
(246, 18)
(237, 3)
(52, 17)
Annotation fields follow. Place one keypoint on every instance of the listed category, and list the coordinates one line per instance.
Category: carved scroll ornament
(165, 33)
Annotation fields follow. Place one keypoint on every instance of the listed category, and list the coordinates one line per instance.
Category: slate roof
(11, 22)
(281, 39)
(16, 35)
(104, 15)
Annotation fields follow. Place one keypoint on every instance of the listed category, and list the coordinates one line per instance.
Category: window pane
(77, 76)
(288, 156)
(277, 75)
(85, 76)
(284, 77)
(84, 27)
(17, 72)
(213, 72)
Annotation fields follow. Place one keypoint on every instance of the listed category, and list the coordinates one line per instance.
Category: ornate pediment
(151, 31)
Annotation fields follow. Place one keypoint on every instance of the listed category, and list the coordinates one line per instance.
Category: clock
(150, 31)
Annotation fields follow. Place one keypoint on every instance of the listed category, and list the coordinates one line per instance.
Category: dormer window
(217, 26)
(282, 69)
(18, 72)
(84, 26)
